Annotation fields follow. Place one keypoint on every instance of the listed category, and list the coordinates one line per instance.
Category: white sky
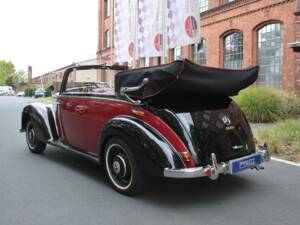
(47, 34)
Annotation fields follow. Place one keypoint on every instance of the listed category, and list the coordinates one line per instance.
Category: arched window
(199, 52)
(270, 51)
(233, 51)
(107, 39)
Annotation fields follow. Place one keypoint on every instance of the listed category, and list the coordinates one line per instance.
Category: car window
(88, 82)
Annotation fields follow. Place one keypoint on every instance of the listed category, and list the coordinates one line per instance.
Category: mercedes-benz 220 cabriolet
(175, 120)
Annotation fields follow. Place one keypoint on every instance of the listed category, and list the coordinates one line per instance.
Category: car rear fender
(44, 120)
(150, 149)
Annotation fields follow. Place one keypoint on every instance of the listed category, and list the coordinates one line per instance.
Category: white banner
(125, 30)
(150, 27)
(183, 22)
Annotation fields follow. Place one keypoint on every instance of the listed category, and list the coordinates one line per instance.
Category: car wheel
(34, 145)
(121, 168)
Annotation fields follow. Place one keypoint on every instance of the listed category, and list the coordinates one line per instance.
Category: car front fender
(44, 120)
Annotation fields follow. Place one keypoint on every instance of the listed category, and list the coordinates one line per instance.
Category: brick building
(235, 34)
(55, 77)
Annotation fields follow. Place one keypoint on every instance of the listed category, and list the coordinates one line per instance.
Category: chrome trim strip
(125, 90)
(73, 150)
(108, 98)
(221, 168)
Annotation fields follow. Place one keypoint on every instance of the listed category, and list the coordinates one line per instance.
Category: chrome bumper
(213, 171)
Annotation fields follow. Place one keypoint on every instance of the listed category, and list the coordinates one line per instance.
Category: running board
(88, 156)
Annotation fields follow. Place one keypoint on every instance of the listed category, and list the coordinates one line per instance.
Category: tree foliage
(7, 71)
(23, 77)
(9, 76)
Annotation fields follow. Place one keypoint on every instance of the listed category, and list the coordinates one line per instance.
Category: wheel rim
(118, 166)
(31, 137)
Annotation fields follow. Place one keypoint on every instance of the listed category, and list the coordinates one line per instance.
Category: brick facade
(222, 18)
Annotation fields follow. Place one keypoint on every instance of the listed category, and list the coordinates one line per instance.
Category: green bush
(29, 92)
(48, 92)
(260, 105)
(283, 139)
(290, 105)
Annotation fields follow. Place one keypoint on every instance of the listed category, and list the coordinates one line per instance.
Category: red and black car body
(175, 120)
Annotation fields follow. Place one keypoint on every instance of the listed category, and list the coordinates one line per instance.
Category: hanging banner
(150, 27)
(183, 22)
(125, 30)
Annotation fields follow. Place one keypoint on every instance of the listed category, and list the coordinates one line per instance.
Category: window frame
(273, 61)
(200, 52)
(107, 6)
(203, 5)
(107, 39)
(233, 56)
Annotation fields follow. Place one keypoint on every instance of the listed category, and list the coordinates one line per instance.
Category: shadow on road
(164, 192)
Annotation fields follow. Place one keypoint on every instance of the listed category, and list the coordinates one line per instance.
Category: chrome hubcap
(118, 166)
(31, 137)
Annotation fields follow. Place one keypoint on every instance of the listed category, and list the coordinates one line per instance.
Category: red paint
(81, 120)
(191, 26)
(131, 49)
(168, 133)
(158, 42)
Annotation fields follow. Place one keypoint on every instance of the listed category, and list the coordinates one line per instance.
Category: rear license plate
(244, 163)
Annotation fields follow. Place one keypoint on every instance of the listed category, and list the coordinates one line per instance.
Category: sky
(47, 34)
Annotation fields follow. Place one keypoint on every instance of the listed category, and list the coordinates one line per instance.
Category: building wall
(55, 77)
(246, 16)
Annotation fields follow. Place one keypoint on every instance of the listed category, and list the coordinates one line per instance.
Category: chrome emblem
(226, 120)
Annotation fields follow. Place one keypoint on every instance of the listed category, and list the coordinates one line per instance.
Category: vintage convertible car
(175, 120)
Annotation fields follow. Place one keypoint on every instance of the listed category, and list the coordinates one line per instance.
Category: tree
(7, 69)
(23, 77)
(13, 81)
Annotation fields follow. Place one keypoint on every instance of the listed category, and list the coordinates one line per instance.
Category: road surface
(61, 188)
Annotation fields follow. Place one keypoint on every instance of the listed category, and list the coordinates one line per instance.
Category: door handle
(81, 109)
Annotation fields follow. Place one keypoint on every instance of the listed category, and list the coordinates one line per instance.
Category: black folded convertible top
(185, 78)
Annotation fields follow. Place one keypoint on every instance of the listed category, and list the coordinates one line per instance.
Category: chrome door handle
(80, 109)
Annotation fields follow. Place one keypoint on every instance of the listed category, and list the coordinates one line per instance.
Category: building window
(199, 52)
(177, 53)
(156, 60)
(144, 62)
(203, 5)
(270, 51)
(107, 39)
(107, 8)
(227, 1)
(297, 7)
(233, 51)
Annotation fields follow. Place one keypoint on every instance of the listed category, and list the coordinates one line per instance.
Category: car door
(100, 111)
(72, 110)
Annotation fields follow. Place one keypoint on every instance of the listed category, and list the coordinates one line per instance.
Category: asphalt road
(61, 188)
